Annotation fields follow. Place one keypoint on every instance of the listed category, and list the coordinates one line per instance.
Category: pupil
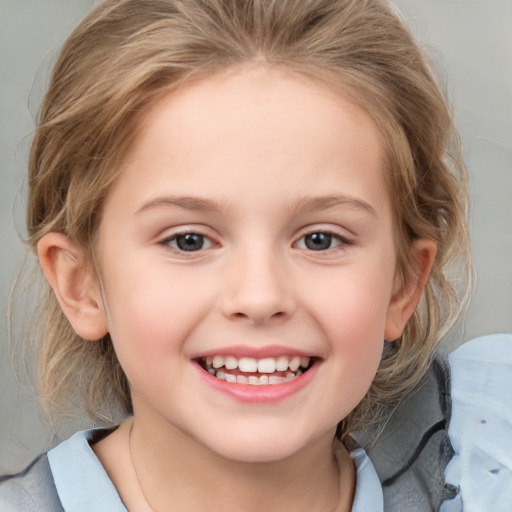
(318, 241)
(190, 242)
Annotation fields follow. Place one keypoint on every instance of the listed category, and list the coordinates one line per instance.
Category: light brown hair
(127, 53)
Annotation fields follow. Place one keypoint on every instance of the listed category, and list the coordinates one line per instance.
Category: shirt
(83, 484)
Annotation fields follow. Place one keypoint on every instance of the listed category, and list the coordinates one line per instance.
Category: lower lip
(265, 393)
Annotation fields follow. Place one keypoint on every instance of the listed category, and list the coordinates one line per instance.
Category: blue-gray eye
(321, 241)
(190, 242)
(318, 241)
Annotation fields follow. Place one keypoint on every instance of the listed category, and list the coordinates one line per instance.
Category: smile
(256, 372)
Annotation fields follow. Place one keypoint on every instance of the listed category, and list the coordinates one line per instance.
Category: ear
(407, 290)
(77, 291)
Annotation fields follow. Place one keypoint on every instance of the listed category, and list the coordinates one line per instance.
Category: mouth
(268, 371)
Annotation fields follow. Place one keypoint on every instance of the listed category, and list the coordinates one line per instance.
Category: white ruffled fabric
(481, 425)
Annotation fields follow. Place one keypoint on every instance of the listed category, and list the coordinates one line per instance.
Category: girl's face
(248, 239)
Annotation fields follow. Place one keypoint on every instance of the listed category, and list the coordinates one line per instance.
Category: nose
(258, 289)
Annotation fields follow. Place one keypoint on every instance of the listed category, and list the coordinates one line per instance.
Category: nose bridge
(258, 287)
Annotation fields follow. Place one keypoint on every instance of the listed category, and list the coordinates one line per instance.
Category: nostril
(260, 316)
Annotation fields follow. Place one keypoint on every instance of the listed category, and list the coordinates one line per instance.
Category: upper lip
(240, 351)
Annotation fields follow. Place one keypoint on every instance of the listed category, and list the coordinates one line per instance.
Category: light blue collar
(81, 481)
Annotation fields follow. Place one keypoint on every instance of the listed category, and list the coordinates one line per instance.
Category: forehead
(255, 125)
(249, 99)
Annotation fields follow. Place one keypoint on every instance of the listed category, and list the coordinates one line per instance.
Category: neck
(171, 467)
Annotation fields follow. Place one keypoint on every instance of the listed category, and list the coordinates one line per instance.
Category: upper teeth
(265, 365)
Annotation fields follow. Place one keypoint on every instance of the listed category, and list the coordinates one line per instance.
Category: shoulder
(31, 490)
(411, 451)
(480, 427)
(69, 478)
(448, 446)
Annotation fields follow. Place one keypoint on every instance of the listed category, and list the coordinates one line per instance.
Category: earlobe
(77, 291)
(408, 290)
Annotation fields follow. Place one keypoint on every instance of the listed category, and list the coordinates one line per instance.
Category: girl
(234, 204)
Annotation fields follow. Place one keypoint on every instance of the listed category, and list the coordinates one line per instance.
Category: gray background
(471, 43)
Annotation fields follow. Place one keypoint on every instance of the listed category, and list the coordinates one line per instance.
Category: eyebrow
(308, 204)
(303, 205)
(198, 204)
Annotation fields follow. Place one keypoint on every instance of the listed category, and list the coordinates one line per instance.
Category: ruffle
(481, 425)
(411, 453)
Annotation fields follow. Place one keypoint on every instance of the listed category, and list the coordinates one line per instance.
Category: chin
(258, 452)
(260, 446)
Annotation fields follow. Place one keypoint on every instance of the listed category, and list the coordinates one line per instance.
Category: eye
(321, 241)
(188, 242)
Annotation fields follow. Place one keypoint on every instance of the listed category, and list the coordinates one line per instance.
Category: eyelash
(330, 237)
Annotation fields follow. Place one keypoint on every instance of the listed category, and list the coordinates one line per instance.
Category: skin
(259, 156)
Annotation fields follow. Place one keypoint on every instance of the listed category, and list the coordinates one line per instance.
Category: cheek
(352, 305)
(352, 312)
(150, 318)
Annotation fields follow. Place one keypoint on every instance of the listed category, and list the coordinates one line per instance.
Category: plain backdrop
(470, 42)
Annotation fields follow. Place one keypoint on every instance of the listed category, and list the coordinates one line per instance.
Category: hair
(127, 53)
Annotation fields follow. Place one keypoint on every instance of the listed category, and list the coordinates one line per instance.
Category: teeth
(218, 362)
(231, 363)
(254, 380)
(282, 364)
(219, 366)
(294, 364)
(229, 377)
(248, 365)
(267, 365)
